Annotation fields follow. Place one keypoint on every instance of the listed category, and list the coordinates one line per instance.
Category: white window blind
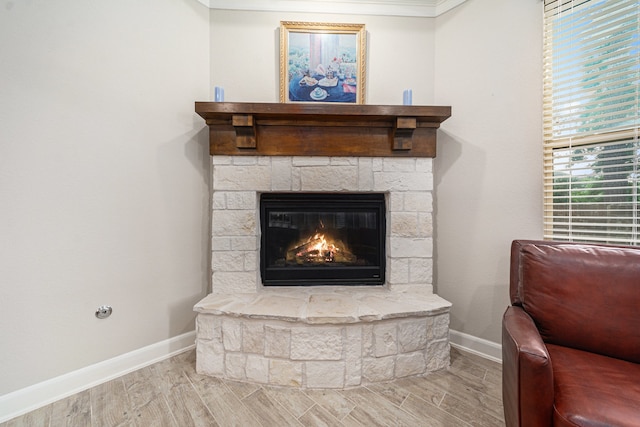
(591, 120)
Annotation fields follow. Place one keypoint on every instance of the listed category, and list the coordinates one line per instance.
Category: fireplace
(322, 239)
(311, 194)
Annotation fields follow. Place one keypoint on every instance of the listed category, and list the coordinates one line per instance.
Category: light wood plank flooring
(171, 393)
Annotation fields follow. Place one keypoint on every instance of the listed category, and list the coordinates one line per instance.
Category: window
(591, 121)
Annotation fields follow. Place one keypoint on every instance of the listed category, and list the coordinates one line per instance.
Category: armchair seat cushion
(594, 390)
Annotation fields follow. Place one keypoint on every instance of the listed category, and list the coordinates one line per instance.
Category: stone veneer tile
(343, 161)
(425, 224)
(253, 337)
(244, 243)
(398, 165)
(398, 271)
(396, 202)
(277, 342)
(316, 343)
(353, 356)
(257, 369)
(385, 339)
(438, 327)
(365, 174)
(233, 281)
(281, 174)
(410, 364)
(328, 308)
(245, 160)
(418, 201)
(300, 161)
(405, 224)
(232, 334)
(402, 181)
(275, 306)
(367, 340)
(335, 178)
(210, 358)
(235, 366)
(238, 178)
(209, 327)
(220, 244)
(241, 200)
(234, 223)
(285, 373)
(420, 270)
(217, 304)
(219, 200)
(296, 184)
(376, 369)
(424, 164)
(439, 354)
(422, 300)
(220, 160)
(408, 247)
(376, 164)
(412, 335)
(391, 308)
(227, 261)
(325, 374)
(250, 261)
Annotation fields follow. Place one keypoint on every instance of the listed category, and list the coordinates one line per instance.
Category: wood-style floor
(171, 393)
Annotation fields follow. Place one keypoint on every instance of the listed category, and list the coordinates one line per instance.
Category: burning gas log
(317, 249)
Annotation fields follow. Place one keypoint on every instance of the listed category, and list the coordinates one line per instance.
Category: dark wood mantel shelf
(322, 129)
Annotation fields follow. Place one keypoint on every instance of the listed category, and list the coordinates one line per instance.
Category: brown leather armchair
(571, 337)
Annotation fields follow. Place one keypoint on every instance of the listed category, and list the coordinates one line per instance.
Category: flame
(317, 247)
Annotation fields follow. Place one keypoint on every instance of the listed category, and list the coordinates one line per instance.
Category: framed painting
(322, 62)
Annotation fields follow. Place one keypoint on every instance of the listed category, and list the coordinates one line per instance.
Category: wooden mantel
(294, 129)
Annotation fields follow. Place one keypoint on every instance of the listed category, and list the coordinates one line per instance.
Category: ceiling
(418, 8)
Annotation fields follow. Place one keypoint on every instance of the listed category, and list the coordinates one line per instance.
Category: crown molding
(414, 8)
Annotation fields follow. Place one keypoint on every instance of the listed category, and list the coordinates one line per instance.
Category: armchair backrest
(583, 296)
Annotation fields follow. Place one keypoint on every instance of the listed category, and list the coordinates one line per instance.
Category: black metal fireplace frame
(370, 275)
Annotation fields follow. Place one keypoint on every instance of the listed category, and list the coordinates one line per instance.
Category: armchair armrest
(527, 377)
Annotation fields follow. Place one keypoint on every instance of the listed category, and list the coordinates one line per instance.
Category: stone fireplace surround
(321, 336)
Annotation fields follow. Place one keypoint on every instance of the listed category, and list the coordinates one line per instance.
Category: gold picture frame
(322, 62)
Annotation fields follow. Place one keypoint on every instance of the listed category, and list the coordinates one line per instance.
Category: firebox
(322, 239)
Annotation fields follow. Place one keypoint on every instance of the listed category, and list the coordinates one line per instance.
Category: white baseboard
(481, 347)
(33, 397)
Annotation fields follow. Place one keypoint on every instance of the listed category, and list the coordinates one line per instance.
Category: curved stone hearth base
(322, 337)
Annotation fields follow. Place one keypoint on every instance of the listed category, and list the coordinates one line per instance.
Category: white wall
(245, 55)
(484, 59)
(488, 169)
(103, 179)
(103, 164)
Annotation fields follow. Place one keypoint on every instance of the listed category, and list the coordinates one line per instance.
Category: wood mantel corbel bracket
(270, 129)
(245, 126)
(403, 133)
(244, 130)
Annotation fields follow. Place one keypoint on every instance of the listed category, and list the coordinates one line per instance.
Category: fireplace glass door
(322, 239)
